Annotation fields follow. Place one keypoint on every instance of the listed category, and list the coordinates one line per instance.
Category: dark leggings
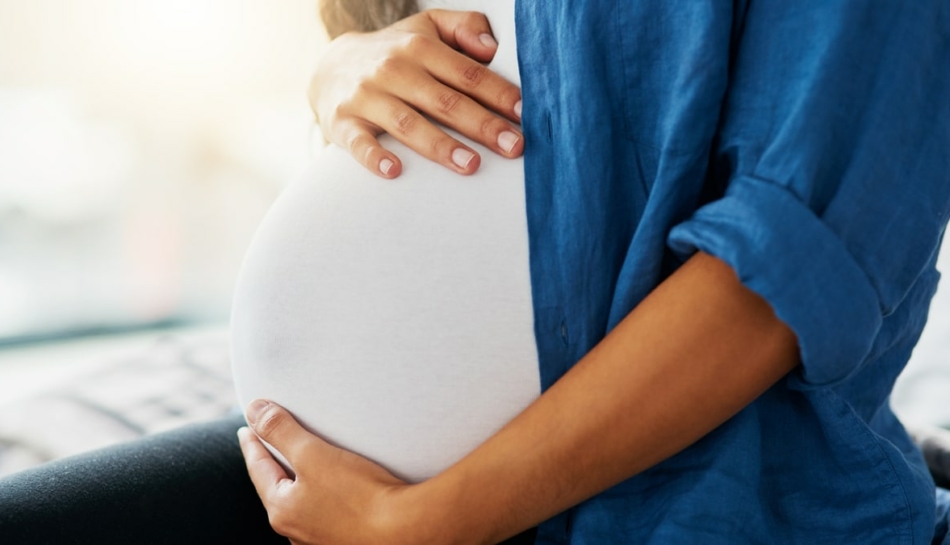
(184, 486)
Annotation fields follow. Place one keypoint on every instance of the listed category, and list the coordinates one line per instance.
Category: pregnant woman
(678, 323)
(395, 318)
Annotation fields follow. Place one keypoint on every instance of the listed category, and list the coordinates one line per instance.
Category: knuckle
(472, 74)
(489, 127)
(508, 95)
(415, 44)
(368, 154)
(387, 67)
(405, 122)
(270, 422)
(353, 141)
(474, 19)
(362, 88)
(448, 101)
(442, 147)
(350, 105)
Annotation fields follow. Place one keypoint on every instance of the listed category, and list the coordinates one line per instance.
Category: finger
(419, 134)
(274, 424)
(468, 31)
(266, 474)
(454, 109)
(360, 140)
(477, 81)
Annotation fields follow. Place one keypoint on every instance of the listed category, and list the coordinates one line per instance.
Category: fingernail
(487, 40)
(518, 109)
(385, 165)
(255, 409)
(243, 433)
(507, 141)
(462, 157)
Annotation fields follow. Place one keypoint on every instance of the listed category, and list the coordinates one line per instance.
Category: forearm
(694, 353)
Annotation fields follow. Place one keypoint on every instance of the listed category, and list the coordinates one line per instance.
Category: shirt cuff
(782, 251)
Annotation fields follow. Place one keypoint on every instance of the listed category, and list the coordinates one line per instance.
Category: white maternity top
(394, 318)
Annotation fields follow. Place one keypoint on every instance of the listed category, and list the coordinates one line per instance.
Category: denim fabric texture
(942, 534)
(806, 144)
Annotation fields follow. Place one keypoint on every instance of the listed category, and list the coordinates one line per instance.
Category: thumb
(275, 425)
(468, 31)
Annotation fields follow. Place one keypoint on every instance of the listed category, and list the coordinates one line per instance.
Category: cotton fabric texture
(395, 319)
(805, 144)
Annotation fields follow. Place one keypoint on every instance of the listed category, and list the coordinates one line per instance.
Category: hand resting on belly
(392, 318)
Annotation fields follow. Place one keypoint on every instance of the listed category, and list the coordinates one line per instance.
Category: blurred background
(141, 142)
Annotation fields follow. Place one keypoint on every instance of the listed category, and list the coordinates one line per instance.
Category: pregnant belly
(392, 318)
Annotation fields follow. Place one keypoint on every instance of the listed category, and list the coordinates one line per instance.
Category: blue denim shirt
(807, 144)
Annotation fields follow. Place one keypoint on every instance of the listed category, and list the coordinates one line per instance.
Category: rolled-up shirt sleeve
(835, 143)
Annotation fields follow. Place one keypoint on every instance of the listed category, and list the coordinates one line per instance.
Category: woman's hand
(425, 65)
(601, 423)
(336, 497)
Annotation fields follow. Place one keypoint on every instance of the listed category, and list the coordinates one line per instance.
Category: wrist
(427, 514)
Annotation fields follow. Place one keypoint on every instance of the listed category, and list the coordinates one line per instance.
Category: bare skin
(695, 352)
(429, 64)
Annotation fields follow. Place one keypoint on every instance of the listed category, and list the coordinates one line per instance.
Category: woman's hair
(341, 16)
